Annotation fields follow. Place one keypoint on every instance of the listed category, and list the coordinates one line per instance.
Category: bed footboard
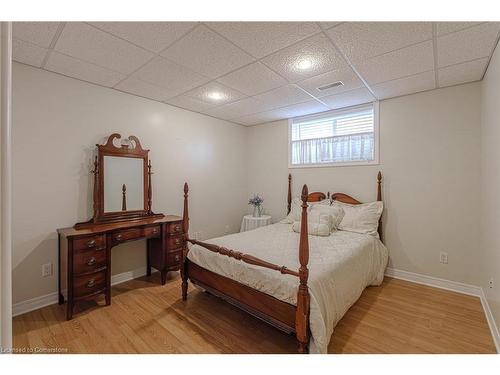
(284, 316)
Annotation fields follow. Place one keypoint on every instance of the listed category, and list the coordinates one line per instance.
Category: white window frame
(376, 143)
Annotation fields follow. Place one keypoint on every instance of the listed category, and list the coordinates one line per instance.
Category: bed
(298, 283)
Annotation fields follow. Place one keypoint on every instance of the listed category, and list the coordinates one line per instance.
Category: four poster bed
(342, 266)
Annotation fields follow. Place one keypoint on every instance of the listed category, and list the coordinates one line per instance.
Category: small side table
(250, 222)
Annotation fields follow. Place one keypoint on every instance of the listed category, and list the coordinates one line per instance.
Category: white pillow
(360, 218)
(296, 209)
(335, 211)
(318, 224)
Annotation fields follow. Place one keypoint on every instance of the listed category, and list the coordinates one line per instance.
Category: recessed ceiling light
(305, 64)
(215, 95)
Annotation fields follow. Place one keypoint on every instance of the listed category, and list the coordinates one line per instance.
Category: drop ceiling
(255, 72)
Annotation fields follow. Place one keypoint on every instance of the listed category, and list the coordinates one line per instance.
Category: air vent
(330, 86)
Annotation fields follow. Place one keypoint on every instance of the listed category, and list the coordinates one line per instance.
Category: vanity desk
(85, 249)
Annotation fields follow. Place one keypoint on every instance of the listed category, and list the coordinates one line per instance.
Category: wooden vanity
(85, 248)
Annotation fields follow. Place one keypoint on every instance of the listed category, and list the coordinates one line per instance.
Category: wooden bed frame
(282, 315)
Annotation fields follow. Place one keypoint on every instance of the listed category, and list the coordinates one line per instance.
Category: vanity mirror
(122, 182)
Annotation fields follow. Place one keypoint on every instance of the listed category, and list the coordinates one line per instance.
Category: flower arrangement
(256, 201)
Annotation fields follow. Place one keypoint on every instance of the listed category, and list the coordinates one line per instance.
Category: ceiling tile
(206, 93)
(349, 79)
(145, 89)
(206, 52)
(462, 73)
(189, 103)
(329, 25)
(317, 50)
(177, 79)
(262, 38)
(238, 109)
(443, 28)
(253, 79)
(28, 53)
(362, 40)
(39, 33)
(85, 71)
(401, 63)
(259, 118)
(302, 109)
(153, 36)
(348, 98)
(407, 85)
(283, 96)
(87, 43)
(469, 44)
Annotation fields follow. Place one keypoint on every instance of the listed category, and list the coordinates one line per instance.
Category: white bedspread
(341, 266)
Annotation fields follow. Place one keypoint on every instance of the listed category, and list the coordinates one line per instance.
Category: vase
(257, 211)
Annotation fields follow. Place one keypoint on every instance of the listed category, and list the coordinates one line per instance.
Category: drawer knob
(118, 237)
(91, 283)
(91, 261)
(177, 241)
(177, 257)
(177, 228)
(91, 243)
(155, 230)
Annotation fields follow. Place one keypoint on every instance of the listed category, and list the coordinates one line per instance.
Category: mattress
(340, 266)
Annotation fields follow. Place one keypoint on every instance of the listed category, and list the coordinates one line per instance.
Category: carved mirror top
(128, 146)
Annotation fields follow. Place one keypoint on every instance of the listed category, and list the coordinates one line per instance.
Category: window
(342, 137)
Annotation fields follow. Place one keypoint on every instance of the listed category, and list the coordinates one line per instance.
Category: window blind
(336, 137)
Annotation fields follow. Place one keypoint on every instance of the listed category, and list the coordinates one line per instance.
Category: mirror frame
(131, 149)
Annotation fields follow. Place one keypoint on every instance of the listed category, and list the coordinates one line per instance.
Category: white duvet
(341, 266)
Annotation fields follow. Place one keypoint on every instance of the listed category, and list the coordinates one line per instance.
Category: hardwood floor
(144, 317)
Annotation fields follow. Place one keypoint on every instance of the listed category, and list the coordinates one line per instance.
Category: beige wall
(56, 123)
(429, 155)
(1, 289)
(490, 184)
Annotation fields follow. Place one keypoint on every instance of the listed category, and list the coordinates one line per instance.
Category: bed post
(185, 227)
(302, 314)
(289, 205)
(379, 198)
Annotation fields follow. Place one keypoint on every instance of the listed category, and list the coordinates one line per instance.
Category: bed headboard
(341, 197)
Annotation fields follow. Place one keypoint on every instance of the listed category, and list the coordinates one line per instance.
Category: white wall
(429, 156)
(490, 184)
(56, 123)
(1, 289)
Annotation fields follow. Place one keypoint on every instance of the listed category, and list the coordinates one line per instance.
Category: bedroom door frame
(6, 189)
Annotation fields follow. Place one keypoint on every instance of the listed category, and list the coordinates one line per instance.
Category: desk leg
(108, 270)
(60, 295)
(148, 258)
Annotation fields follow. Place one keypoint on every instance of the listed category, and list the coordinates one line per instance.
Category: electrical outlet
(47, 269)
(491, 284)
(443, 257)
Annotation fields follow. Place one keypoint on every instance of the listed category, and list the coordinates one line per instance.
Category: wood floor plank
(145, 317)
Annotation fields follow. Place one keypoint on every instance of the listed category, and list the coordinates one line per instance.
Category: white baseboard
(52, 298)
(453, 286)
(491, 321)
(436, 282)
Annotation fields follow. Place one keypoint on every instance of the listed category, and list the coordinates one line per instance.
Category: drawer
(85, 261)
(175, 242)
(89, 284)
(89, 242)
(152, 231)
(126, 235)
(175, 227)
(174, 257)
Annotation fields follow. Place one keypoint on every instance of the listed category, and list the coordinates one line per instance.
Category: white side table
(250, 222)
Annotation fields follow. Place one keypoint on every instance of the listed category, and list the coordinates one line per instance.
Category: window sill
(332, 165)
